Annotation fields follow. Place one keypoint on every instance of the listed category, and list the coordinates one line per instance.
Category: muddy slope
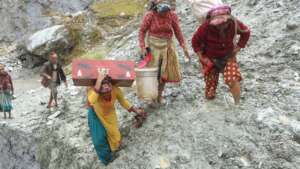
(189, 132)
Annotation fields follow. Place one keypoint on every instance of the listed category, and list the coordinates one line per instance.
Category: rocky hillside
(24, 17)
(35, 28)
(189, 132)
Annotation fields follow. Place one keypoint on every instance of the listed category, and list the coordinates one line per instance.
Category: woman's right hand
(186, 53)
(143, 52)
(203, 60)
(100, 77)
(49, 77)
(207, 64)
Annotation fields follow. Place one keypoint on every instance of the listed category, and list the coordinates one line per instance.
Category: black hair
(107, 80)
(152, 6)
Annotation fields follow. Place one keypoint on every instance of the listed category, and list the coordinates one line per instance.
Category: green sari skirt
(5, 101)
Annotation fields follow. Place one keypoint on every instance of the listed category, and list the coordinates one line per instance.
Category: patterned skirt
(165, 58)
(5, 101)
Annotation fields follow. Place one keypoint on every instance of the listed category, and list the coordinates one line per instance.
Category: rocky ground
(188, 132)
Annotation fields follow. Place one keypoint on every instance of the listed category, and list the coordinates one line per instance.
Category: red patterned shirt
(160, 27)
(6, 82)
(210, 42)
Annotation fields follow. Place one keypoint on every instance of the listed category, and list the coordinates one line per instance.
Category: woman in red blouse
(6, 92)
(160, 24)
(214, 44)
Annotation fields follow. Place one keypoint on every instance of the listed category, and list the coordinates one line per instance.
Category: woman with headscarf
(154, 2)
(214, 43)
(160, 24)
(102, 117)
(6, 92)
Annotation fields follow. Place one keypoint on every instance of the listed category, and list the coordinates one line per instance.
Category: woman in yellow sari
(102, 117)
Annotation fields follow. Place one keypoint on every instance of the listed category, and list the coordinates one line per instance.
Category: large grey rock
(55, 38)
(20, 18)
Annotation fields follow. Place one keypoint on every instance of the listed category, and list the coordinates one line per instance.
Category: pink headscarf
(219, 14)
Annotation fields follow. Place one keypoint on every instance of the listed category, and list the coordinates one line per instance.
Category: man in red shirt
(214, 43)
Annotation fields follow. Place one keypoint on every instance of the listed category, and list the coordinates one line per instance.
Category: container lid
(146, 69)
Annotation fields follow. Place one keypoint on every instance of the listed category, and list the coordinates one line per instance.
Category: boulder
(56, 38)
(21, 18)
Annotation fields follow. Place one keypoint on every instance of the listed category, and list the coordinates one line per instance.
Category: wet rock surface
(188, 132)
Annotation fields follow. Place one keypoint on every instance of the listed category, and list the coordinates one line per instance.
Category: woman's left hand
(186, 53)
(140, 112)
(236, 50)
(140, 117)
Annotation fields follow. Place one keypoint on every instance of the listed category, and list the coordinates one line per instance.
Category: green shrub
(118, 8)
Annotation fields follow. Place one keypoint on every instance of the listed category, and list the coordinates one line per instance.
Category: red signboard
(85, 71)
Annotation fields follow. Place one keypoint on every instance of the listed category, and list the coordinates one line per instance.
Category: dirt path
(27, 101)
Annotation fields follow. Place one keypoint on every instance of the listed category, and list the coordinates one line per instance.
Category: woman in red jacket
(214, 44)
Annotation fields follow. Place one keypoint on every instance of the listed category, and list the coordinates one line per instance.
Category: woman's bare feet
(151, 103)
(49, 106)
(161, 100)
(9, 115)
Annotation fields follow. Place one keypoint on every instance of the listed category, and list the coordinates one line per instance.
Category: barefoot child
(53, 74)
